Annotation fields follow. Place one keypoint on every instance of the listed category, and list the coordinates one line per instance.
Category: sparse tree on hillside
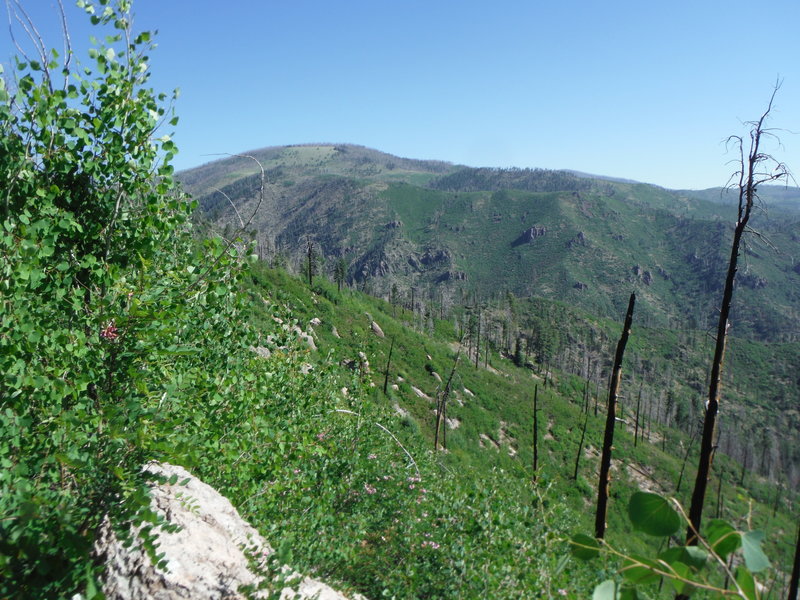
(339, 273)
(755, 169)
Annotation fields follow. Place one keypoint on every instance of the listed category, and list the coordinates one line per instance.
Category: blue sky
(642, 90)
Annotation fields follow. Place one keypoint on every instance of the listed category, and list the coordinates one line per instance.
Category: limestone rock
(204, 559)
(376, 329)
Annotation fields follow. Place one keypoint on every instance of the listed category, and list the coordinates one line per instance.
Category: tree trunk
(580, 447)
(608, 439)
(793, 583)
(638, 406)
(535, 432)
(685, 458)
(386, 372)
(751, 175)
(441, 408)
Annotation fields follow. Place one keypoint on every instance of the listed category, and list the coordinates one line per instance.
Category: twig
(205, 273)
(408, 454)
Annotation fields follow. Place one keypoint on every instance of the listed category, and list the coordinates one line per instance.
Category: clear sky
(637, 89)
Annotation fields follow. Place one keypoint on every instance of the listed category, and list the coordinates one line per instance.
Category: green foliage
(110, 327)
(687, 568)
(652, 514)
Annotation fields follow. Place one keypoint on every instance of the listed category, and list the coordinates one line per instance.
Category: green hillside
(489, 414)
(450, 231)
(585, 242)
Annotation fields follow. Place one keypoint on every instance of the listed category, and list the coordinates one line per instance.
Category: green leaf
(746, 582)
(754, 557)
(639, 570)
(683, 571)
(722, 537)
(584, 546)
(695, 557)
(631, 593)
(652, 514)
(605, 591)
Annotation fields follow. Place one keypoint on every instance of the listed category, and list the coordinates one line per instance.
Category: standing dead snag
(755, 169)
(535, 432)
(386, 372)
(580, 447)
(441, 406)
(608, 438)
(795, 580)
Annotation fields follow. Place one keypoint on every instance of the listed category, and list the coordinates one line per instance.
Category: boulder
(203, 559)
(376, 329)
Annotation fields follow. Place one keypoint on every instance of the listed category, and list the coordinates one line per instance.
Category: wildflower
(110, 331)
(372, 457)
(370, 489)
(562, 592)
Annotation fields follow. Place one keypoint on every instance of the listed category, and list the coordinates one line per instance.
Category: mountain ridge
(450, 230)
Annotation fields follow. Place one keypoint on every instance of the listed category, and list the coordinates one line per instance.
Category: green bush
(110, 324)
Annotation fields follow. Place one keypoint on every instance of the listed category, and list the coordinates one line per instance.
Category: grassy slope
(498, 406)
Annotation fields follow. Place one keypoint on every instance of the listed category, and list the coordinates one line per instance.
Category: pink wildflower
(110, 331)
(370, 489)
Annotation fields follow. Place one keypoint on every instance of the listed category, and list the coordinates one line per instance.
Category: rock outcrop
(203, 560)
(529, 235)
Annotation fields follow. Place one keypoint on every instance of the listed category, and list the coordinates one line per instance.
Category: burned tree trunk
(793, 583)
(685, 459)
(580, 447)
(756, 169)
(388, 364)
(608, 438)
(441, 407)
(638, 406)
(535, 432)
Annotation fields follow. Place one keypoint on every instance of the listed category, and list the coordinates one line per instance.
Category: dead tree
(441, 407)
(580, 446)
(685, 459)
(755, 169)
(793, 584)
(386, 371)
(608, 438)
(535, 432)
(311, 261)
(638, 406)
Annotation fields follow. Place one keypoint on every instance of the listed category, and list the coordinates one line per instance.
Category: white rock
(376, 329)
(204, 559)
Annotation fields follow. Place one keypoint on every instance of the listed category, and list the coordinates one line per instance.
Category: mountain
(449, 231)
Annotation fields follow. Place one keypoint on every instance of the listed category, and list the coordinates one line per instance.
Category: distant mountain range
(450, 231)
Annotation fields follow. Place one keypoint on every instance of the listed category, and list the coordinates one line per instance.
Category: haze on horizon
(632, 90)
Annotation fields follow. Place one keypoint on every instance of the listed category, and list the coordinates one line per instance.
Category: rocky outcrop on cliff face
(203, 560)
(530, 235)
